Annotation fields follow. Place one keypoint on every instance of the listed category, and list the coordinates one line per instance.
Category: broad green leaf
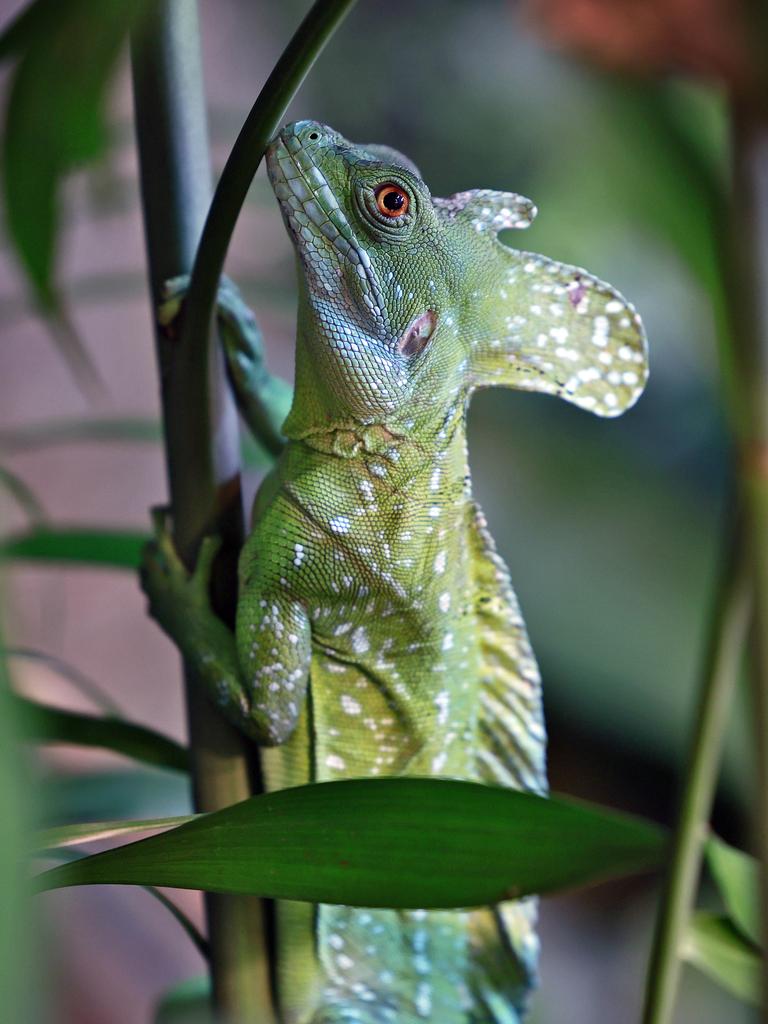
(187, 1003)
(42, 724)
(718, 950)
(91, 831)
(119, 549)
(66, 55)
(736, 874)
(403, 842)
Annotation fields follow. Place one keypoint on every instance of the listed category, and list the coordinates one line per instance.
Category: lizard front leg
(262, 398)
(258, 676)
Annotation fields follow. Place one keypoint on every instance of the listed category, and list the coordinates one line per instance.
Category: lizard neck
(393, 462)
(329, 415)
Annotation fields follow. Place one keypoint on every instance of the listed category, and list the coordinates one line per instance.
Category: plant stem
(750, 249)
(721, 669)
(203, 477)
(261, 124)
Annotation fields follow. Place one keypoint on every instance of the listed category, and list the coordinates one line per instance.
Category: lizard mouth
(310, 208)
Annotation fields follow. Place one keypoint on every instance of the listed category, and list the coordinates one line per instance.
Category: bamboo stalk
(203, 478)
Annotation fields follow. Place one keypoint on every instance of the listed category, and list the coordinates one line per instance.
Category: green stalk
(727, 638)
(204, 478)
(750, 248)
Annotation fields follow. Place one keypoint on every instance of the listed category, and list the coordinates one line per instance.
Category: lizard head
(411, 301)
(375, 271)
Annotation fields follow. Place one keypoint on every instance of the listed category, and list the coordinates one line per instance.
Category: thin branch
(721, 670)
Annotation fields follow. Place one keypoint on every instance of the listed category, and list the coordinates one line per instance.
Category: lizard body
(377, 631)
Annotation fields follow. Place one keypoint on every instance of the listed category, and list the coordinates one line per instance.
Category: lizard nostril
(314, 135)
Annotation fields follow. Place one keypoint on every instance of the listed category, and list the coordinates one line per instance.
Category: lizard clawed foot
(175, 594)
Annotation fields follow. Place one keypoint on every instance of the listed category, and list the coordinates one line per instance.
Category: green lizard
(377, 632)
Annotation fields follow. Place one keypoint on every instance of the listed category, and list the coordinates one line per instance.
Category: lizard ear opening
(416, 336)
(487, 210)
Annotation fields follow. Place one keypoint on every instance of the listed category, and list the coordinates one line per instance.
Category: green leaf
(130, 430)
(32, 21)
(43, 724)
(718, 950)
(115, 548)
(187, 1003)
(403, 842)
(117, 429)
(67, 53)
(736, 875)
(91, 831)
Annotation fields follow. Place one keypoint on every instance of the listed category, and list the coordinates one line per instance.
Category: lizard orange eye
(391, 200)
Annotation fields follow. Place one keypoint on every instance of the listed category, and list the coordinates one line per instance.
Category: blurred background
(612, 530)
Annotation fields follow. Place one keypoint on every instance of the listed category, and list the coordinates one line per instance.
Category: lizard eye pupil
(391, 200)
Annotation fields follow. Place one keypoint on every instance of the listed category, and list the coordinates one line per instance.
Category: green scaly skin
(377, 632)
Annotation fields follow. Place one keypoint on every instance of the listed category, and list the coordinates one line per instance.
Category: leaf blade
(402, 842)
(111, 548)
(44, 724)
(68, 430)
(736, 875)
(61, 836)
(54, 116)
(715, 948)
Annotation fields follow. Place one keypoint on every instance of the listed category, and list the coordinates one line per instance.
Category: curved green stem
(261, 124)
(721, 671)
